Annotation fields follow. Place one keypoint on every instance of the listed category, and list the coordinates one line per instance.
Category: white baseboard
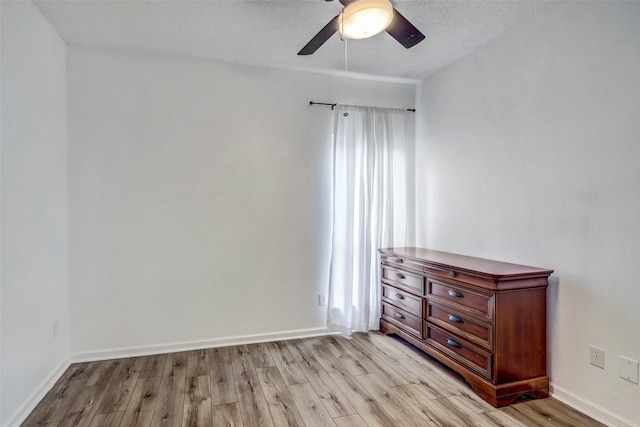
(596, 412)
(32, 401)
(122, 352)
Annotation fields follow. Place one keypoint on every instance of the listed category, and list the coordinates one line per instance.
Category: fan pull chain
(346, 73)
(345, 87)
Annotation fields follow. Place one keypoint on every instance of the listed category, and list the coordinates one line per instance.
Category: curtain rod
(327, 104)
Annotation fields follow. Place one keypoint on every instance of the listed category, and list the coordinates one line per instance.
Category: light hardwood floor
(368, 380)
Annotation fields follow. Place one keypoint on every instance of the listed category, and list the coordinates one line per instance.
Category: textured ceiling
(270, 33)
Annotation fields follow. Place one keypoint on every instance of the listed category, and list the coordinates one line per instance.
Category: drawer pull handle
(453, 343)
(400, 261)
(400, 276)
(399, 315)
(455, 318)
(452, 273)
(455, 293)
(399, 296)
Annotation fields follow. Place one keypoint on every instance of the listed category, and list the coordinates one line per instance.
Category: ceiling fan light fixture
(365, 18)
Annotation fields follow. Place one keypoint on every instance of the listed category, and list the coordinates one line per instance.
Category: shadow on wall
(552, 303)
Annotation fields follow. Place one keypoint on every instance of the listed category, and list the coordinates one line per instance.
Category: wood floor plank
(150, 366)
(103, 373)
(327, 359)
(253, 405)
(369, 409)
(176, 364)
(73, 419)
(311, 408)
(261, 355)
(327, 390)
(439, 414)
(394, 360)
(197, 403)
(227, 415)
(56, 404)
(335, 344)
(143, 401)
(285, 362)
(223, 385)
(375, 364)
(169, 407)
(415, 360)
(85, 407)
(354, 420)
(331, 364)
(79, 371)
(468, 403)
(497, 419)
(463, 408)
(281, 405)
(392, 402)
(548, 412)
(528, 416)
(198, 363)
(119, 390)
(36, 416)
(107, 420)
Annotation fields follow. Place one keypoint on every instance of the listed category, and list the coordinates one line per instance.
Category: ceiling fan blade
(320, 38)
(404, 31)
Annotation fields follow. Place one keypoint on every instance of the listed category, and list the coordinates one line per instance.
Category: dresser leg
(497, 398)
(384, 329)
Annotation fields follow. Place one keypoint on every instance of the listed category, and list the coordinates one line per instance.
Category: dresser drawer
(402, 263)
(459, 350)
(460, 324)
(402, 278)
(401, 299)
(479, 303)
(402, 319)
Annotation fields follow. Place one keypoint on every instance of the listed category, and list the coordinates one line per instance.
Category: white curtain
(369, 210)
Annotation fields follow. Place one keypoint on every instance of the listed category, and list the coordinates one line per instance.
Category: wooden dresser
(484, 319)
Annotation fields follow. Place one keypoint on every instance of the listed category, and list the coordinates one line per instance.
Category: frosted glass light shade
(365, 18)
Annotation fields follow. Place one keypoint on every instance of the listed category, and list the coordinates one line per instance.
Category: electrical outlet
(596, 356)
(322, 300)
(629, 369)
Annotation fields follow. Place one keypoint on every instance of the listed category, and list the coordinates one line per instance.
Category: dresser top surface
(493, 268)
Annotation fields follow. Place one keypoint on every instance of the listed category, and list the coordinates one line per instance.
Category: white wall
(34, 206)
(528, 151)
(1, 417)
(199, 199)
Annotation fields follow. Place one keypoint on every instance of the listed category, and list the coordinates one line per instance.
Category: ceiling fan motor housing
(365, 18)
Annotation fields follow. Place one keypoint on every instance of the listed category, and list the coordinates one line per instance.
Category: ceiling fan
(380, 13)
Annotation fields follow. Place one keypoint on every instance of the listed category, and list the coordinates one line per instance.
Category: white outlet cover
(629, 369)
(596, 356)
(322, 300)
